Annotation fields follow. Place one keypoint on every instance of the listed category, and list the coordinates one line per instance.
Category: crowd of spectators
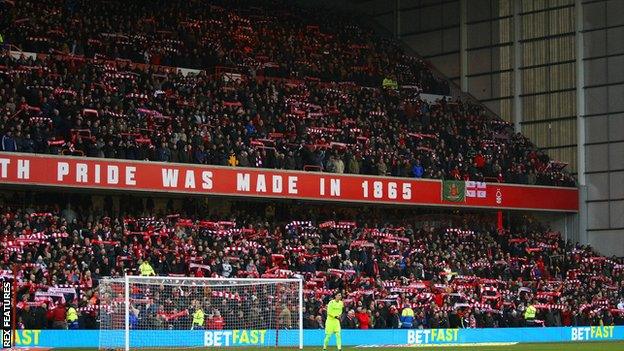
(267, 38)
(278, 87)
(118, 110)
(402, 275)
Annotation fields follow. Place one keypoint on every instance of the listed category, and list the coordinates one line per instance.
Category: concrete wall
(603, 64)
(431, 27)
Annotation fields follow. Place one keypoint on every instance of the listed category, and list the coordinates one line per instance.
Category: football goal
(186, 313)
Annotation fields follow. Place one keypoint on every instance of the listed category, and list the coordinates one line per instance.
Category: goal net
(185, 313)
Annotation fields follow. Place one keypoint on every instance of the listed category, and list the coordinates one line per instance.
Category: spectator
(363, 318)
(57, 317)
(418, 170)
(380, 321)
(407, 317)
(607, 318)
(145, 268)
(382, 168)
(27, 317)
(72, 317)
(549, 319)
(529, 314)
(339, 165)
(566, 317)
(319, 321)
(216, 322)
(226, 268)
(232, 161)
(198, 316)
(351, 322)
(285, 317)
(164, 153)
(309, 322)
(133, 317)
(332, 166)
(8, 142)
(39, 319)
(394, 320)
(354, 166)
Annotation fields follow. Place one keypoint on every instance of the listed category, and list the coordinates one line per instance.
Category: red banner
(79, 172)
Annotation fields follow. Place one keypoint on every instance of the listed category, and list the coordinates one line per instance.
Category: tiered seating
(457, 277)
(323, 108)
(113, 109)
(273, 39)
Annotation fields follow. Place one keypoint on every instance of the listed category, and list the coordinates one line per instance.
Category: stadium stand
(270, 87)
(348, 102)
(450, 276)
(94, 108)
(274, 39)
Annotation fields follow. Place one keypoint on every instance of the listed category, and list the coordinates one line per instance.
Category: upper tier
(275, 39)
(279, 106)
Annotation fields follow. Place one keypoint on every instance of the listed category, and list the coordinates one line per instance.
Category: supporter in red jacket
(363, 318)
(566, 317)
(215, 322)
(439, 299)
(57, 316)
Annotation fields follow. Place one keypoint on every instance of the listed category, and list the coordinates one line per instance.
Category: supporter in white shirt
(226, 268)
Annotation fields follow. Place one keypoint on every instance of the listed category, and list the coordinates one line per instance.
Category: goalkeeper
(332, 324)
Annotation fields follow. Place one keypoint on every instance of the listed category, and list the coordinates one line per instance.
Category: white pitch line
(445, 345)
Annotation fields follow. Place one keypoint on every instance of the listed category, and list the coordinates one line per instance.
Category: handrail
(13, 47)
(67, 152)
(312, 168)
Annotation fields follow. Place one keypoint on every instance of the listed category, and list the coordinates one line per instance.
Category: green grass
(584, 346)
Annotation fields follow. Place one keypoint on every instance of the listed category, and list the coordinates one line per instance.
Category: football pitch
(585, 346)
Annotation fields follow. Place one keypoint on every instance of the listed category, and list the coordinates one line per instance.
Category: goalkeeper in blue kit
(332, 324)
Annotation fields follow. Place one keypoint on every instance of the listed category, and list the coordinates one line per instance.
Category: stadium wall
(91, 338)
(602, 44)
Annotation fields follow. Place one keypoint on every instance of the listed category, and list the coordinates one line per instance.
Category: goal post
(187, 313)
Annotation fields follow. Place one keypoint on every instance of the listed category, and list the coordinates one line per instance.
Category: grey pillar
(580, 93)
(517, 74)
(397, 19)
(463, 46)
(580, 123)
